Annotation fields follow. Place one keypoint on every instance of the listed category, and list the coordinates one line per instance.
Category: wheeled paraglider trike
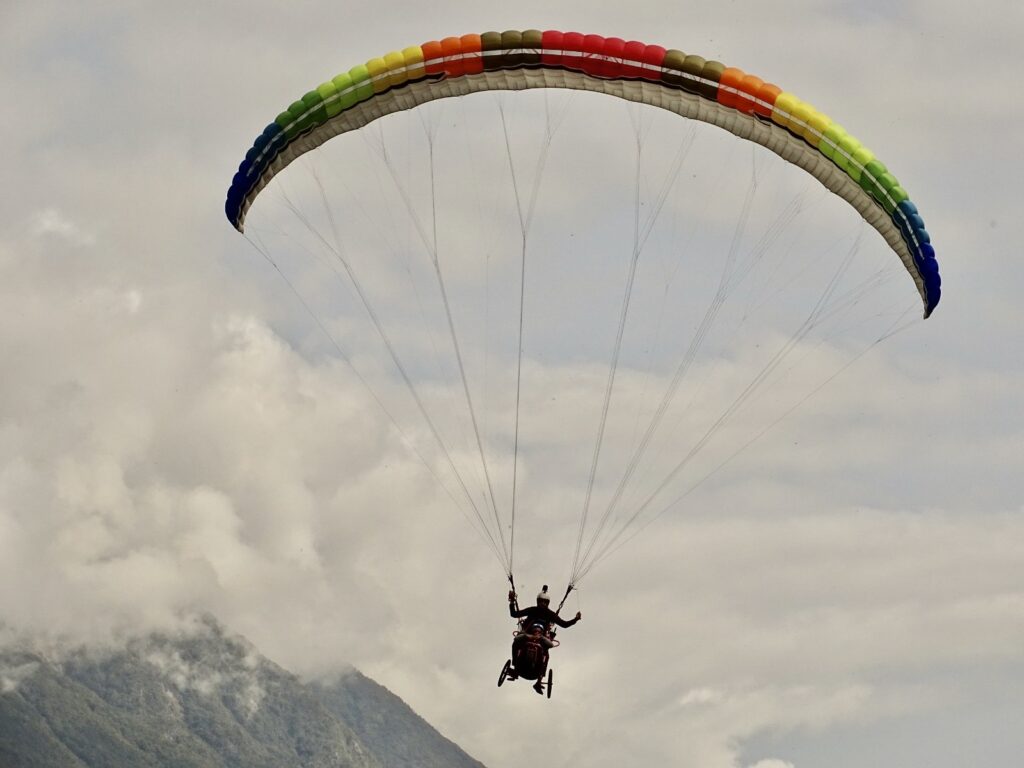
(530, 658)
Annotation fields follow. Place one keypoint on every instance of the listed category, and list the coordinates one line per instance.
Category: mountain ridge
(203, 699)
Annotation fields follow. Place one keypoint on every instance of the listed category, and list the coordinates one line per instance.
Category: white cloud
(12, 676)
(51, 222)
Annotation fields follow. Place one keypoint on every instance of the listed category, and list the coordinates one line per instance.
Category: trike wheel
(551, 681)
(504, 672)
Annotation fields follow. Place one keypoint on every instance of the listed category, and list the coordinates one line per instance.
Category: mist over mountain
(205, 699)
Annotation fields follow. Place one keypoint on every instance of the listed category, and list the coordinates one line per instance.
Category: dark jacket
(537, 614)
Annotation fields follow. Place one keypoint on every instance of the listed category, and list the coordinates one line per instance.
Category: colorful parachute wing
(689, 85)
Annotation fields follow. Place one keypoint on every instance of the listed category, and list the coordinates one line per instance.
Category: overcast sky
(172, 440)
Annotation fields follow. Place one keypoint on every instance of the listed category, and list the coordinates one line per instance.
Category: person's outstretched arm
(566, 624)
(511, 607)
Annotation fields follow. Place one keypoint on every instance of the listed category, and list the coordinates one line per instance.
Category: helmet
(543, 595)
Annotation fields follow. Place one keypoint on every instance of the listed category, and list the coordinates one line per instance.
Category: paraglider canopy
(810, 144)
(709, 91)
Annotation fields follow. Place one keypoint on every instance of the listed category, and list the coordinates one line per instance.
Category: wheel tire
(551, 681)
(504, 672)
